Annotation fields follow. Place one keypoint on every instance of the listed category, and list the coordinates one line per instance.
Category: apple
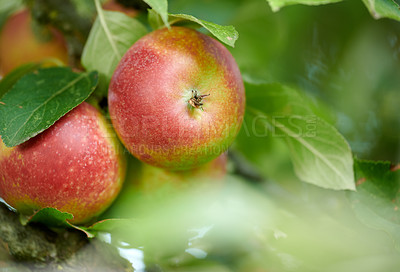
(74, 166)
(22, 40)
(113, 5)
(148, 189)
(177, 99)
(153, 178)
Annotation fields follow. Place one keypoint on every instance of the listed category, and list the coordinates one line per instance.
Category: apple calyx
(196, 101)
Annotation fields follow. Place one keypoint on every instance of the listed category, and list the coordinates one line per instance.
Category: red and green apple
(23, 40)
(113, 5)
(177, 98)
(75, 166)
(211, 174)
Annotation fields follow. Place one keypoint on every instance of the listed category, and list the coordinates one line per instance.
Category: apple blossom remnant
(196, 100)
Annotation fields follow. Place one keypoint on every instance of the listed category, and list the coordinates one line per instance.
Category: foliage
(277, 4)
(109, 39)
(161, 8)
(39, 99)
(377, 8)
(313, 143)
(383, 8)
(7, 82)
(377, 200)
(226, 34)
(316, 97)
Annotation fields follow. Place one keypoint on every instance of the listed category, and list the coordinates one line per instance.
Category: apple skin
(153, 179)
(21, 42)
(149, 93)
(75, 166)
(113, 5)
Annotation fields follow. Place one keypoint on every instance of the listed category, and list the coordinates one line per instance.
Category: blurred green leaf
(242, 224)
(171, 224)
(106, 225)
(276, 5)
(110, 37)
(161, 7)
(85, 8)
(377, 200)
(39, 99)
(320, 154)
(226, 34)
(383, 9)
(377, 8)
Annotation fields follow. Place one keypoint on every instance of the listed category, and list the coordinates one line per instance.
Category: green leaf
(161, 7)
(377, 200)
(383, 9)
(49, 216)
(155, 20)
(276, 5)
(39, 99)
(11, 78)
(319, 153)
(226, 34)
(108, 225)
(110, 37)
(53, 218)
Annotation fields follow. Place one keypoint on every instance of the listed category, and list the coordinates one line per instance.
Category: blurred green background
(347, 64)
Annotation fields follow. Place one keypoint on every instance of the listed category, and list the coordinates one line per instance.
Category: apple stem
(196, 101)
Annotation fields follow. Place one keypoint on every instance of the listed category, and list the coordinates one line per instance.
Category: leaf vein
(106, 30)
(47, 101)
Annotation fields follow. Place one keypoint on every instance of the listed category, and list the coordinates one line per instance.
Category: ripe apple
(22, 40)
(177, 99)
(74, 166)
(147, 188)
(155, 178)
(113, 5)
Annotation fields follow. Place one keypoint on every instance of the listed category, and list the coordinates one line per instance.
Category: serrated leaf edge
(203, 23)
